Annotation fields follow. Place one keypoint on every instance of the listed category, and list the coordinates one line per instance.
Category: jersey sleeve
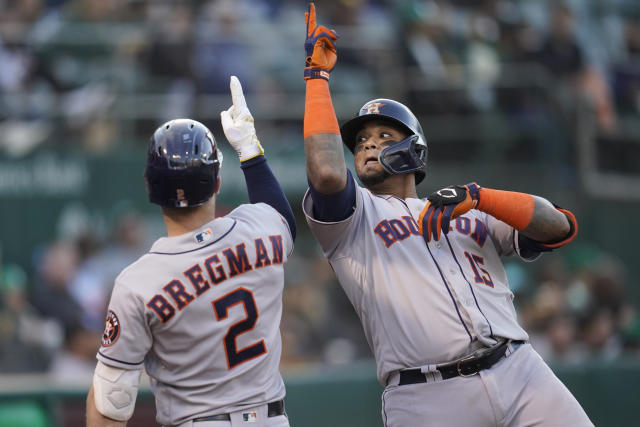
(507, 239)
(263, 186)
(266, 217)
(333, 237)
(334, 207)
(127, 336)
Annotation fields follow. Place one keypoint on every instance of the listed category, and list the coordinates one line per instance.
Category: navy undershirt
(337, 206)
(263, 187)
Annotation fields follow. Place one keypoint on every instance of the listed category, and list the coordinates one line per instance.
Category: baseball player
(201, 310)
(425, 275)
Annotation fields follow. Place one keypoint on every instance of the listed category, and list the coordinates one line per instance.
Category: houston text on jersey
(395, 230)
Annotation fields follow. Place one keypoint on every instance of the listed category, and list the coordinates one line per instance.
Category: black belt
(465, 367)
(274, 409)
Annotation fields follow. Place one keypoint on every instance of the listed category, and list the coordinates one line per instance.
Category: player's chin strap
(115, 391)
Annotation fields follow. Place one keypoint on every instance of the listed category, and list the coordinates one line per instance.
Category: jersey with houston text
(420, 304)
(201, 311)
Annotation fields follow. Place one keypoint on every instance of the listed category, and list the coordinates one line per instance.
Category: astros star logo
(373, 107)
(111, 329)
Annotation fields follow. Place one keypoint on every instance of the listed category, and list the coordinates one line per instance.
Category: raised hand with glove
(522, 211)
(320, 59)
(238, 126)
(320, 47)
(262, 185)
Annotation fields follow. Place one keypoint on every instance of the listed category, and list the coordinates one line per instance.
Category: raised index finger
(311, 18)
(236, 94)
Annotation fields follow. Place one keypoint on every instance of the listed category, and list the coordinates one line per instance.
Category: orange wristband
(516, 209)
(319, 116)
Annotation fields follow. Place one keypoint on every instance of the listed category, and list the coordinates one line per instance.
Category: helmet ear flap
(403, 157)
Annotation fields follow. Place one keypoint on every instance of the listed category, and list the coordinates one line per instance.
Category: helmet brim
(350, 129)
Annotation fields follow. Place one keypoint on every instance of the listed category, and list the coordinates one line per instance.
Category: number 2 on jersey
(476, 262)
(221, 307)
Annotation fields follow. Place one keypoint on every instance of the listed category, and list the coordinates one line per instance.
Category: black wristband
(316, 73)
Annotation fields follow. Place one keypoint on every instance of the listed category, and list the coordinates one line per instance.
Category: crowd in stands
(90, 74)
(55, 316)
(96, 74)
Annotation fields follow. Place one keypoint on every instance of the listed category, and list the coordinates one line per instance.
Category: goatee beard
(375, 179)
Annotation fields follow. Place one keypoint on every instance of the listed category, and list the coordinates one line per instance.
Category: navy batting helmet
(408, 155)
(182, 164)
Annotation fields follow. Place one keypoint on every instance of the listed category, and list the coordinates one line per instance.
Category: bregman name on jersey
(215, 269)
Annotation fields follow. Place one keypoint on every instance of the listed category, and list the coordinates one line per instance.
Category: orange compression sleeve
(319, 116)
(516, 209)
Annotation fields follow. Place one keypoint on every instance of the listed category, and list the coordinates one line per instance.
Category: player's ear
(218, 185)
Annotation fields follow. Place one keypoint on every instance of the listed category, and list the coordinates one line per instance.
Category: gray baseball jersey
(201, 311)
(421, 304)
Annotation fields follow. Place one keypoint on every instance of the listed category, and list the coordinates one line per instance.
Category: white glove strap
(251, 150)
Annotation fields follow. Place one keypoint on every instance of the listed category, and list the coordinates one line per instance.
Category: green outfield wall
(344, 397)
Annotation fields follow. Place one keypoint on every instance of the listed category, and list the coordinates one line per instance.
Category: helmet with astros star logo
(406, 156)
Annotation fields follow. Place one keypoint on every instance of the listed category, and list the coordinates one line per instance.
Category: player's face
(370, 140)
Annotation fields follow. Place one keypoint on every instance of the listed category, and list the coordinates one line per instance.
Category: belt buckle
(466, 359)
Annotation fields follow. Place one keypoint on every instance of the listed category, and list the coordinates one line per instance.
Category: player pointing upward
(425, 275)
(201, 311)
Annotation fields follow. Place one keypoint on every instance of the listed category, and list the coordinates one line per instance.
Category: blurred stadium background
(528, 95)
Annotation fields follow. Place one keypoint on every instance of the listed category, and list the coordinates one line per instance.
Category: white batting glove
(237, 123)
